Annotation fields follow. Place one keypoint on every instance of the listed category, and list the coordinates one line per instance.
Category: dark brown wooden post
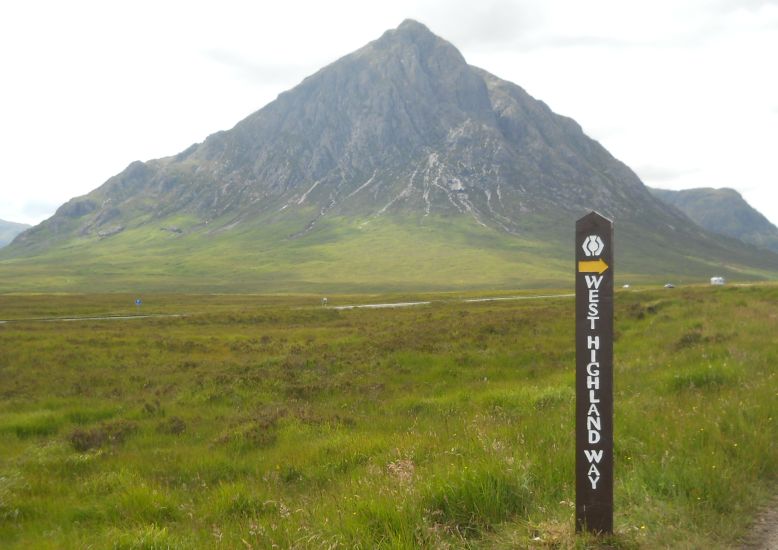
(594, 374)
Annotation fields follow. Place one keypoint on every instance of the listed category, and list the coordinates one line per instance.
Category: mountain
(9, 230)
(399, 166)
(723, 211)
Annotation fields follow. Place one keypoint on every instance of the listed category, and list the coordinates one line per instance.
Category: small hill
(723, 211)
(9, 230)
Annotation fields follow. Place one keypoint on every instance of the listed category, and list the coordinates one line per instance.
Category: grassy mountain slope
(723, 211)
(9, 230)
(343, 254)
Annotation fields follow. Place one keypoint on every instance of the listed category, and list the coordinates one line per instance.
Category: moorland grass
(268, 420)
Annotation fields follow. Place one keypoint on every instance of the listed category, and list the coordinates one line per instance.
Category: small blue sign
(138, 302)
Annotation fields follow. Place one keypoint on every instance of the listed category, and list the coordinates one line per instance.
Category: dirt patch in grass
(764, 532)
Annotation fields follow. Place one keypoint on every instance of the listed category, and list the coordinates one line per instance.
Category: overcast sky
(683, 91)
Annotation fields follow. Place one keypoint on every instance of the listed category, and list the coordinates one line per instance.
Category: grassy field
(257, 421)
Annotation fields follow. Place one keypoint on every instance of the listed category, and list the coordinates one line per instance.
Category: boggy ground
(259, 421)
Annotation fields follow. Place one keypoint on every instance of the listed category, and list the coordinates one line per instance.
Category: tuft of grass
(31, 424)
(708, 376)
(236, 500)
(554, 396)
(143, 504)
(88, 416)
(146, 537)
(476, 498)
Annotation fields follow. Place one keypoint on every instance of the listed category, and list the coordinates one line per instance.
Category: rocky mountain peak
(413, 26)
(417, 61)
(413, 32)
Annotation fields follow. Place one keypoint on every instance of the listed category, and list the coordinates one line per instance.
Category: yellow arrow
(592, 266)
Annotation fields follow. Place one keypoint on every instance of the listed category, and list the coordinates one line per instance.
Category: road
(340, 308)
(462, 300)
(95, 318)
(380, 306)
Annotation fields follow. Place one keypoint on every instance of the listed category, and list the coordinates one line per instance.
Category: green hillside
(723, 211)
(9, 230)
(391, 253)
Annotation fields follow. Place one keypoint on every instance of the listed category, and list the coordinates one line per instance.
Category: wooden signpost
(594, 374)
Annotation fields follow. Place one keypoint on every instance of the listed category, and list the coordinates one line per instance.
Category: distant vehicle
(669, 285)
(625, 286)
(717, 280)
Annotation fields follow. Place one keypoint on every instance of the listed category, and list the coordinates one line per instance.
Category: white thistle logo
(593, 245)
